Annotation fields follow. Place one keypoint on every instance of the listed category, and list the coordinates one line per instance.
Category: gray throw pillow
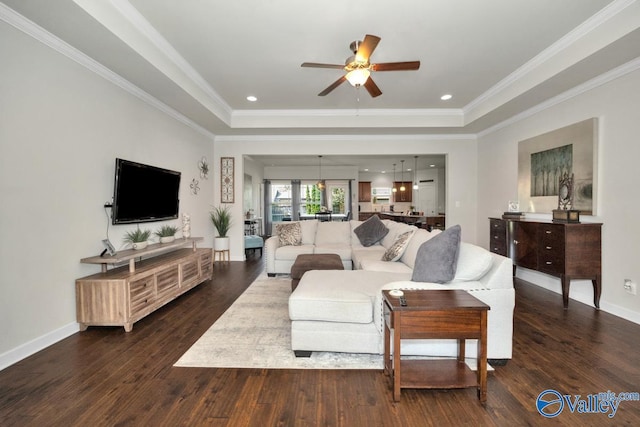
(437, 258)
(371, 231)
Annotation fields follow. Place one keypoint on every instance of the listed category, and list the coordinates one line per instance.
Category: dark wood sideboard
(565, 250)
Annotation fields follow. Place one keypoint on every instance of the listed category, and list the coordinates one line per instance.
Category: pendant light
(415, 173)
(394, 189)
(320, 183)
(402, 188)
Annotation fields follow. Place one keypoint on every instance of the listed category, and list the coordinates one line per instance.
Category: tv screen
(144, 193)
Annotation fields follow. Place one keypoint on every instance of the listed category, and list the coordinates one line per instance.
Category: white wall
(256, 171)
(61, 128)
(617, 106)
(461, 166)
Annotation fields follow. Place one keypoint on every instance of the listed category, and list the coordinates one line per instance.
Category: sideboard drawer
(549, 263)
(498, 237)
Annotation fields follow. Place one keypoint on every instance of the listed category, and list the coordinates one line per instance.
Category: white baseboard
(580, 290)
(27, 349)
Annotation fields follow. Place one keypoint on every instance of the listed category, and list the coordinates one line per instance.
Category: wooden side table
(435, 314)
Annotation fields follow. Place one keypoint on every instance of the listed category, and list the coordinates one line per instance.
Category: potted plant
(221, 219)
(137, 238)
(167, 233)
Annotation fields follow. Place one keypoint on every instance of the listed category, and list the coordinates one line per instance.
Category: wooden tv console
(123, 295)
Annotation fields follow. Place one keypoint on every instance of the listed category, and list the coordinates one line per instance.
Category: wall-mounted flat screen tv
(144, 193)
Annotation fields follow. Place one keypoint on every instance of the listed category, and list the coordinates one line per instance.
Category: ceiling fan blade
(333, 86)
(372, 88)
(316, 65)
(396, 66)
(367, 47)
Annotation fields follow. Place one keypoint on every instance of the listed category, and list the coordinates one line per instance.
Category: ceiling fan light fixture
(358, 77)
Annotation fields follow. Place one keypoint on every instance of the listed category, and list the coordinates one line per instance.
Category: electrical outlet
(630, 286)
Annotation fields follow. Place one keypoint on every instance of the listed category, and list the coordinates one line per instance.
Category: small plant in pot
(137, 238)
(167, 233)
(221, 220)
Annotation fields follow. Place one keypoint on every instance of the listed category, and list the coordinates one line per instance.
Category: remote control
(403, 301)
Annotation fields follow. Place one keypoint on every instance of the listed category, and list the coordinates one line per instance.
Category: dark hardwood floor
(105, 376)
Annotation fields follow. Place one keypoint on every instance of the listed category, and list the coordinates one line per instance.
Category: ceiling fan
(358, 68)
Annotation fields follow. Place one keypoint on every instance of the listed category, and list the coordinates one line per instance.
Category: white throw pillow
(419, 237)
(398, 247)
(473, 263)
(395, 229)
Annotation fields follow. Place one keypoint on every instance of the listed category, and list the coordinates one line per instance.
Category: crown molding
(579, 33)
(371, 112)
(600, 80)
(139, 22)
(33, 30)
(347, 138)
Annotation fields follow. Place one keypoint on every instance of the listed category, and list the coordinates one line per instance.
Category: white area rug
(255, 332)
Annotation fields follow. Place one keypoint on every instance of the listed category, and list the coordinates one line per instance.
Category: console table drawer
(189, 273)
(167, 281)
(141, 293)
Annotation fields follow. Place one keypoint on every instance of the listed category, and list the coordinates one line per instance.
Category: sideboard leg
(565, 291)
(597, 290)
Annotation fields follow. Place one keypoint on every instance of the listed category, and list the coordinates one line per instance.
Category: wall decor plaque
(226, 179)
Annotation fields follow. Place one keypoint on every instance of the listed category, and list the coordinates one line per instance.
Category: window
(310, 198)
(281, 207)
(337, 196)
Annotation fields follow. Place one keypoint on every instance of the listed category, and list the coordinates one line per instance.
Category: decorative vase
(186, 225)
(167, 239)
(139, 245)
(221, 243)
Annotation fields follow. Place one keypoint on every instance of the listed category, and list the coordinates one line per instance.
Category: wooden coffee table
(435, 314)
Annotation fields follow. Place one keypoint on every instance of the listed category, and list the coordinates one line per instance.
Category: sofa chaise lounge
(341, 310)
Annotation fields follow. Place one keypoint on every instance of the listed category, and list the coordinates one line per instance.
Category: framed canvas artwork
(543, 161)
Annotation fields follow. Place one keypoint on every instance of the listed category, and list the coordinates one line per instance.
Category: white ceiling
(497, 58)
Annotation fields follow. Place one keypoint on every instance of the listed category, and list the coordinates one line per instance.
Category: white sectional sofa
(341, 311)
(339, 238)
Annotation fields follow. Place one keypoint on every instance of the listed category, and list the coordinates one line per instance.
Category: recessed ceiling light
(432, 166)
(252, 98)
(446, 97)
(383, 172)
(366, 170)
